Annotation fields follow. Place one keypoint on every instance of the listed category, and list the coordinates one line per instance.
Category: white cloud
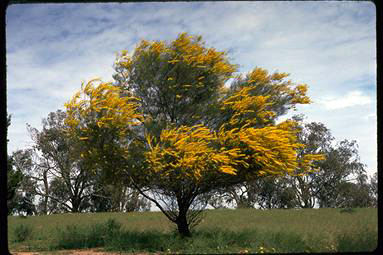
(353, 98)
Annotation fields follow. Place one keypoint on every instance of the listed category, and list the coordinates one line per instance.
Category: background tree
(24, 195)
(177, 132)
(117, 198)
(14, 179)
(273, 192)
(317, 139)
(351, 195)
(342, 165)
(62, 179)
(13, 183)
(265, 193)
(374, 189)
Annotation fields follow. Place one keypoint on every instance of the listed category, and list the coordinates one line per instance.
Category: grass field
(221, 231)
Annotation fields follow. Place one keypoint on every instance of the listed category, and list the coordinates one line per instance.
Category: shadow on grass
(357, 242)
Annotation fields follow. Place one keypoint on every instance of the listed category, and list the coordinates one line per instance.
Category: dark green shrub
(347, 210)
(150, 241)
(22, 233)
(364, 241)
(71, 237)
(100, 234)
(112, 227)
(96, 235)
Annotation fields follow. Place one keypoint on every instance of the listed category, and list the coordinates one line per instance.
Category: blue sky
(331, 46)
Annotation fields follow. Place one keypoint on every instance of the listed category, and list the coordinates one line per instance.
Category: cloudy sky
(331, 46)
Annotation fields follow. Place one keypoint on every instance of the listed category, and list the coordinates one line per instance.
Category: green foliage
(354, 194)
(22, 232)
(334, 189)
(271, 192)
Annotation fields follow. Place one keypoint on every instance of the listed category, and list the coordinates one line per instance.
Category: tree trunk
(46, 198)
(75, 205)
(182, 224)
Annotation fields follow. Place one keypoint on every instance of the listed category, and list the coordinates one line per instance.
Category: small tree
(174, 130)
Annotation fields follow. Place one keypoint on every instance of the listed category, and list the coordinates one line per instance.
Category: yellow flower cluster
(185, 49)
(243, 103)
(305, 163)
(191, 151)
(195, 151)
(261, 77)
(191, 50)
(102, 105)
(272, 149)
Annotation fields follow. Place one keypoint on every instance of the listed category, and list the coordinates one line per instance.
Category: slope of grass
(221, 231)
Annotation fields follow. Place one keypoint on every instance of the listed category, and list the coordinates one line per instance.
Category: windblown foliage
(189, 134)
(102, 120)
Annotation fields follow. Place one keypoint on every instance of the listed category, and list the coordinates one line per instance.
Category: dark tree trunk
(46, 197)
(76, 205)
(182, 224)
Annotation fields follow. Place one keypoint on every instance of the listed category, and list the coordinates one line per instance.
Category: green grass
(221, 231)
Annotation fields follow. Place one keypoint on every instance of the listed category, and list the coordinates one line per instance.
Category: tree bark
(46, 186)
(182, 224)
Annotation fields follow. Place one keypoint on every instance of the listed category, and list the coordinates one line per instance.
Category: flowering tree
(175, 130)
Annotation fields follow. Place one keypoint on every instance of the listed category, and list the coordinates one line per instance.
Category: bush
(22, 233)
(96, 235)
(363, 241)
(150, 241)
(71, 237)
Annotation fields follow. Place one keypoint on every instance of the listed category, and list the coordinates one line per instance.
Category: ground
(78, 252)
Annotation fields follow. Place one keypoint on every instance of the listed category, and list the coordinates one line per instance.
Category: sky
(330, 46)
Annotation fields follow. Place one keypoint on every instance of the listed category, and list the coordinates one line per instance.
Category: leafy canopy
(192, 151)
(171, 124)
(101, 120)
(175, 81)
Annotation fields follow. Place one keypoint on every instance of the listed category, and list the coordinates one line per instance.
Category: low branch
(153, 200)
